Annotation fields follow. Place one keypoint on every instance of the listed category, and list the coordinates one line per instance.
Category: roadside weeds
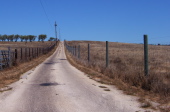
(146, 98)
(13, 74)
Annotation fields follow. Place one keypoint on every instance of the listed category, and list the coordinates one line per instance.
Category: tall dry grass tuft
(126, 63)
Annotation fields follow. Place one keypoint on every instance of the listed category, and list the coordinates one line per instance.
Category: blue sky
(99, 20)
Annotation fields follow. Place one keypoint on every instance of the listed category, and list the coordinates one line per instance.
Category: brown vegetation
(12, 74)
(14, 45)
(126, 67)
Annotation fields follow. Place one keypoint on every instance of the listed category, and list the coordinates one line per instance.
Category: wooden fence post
(16, 54)
(146, 55)
(25, 54)
(15, 57)
(43, 50)
(75, 48)
(21, 53)
(72, 50)
(79, 51)
(9, 56)
(29, 54)
(32, 53)
(37, 52)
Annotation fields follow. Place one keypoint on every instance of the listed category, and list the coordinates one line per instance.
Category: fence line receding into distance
(13, 56)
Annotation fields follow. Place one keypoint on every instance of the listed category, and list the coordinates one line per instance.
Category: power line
(46, 14)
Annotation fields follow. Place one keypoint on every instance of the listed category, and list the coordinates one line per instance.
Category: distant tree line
(24, 38)
(52, 39)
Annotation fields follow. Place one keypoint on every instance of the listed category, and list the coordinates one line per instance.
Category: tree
(34, 38)
(52, 39)
(39, 38)
(8, 38)
(4, 37)
(26, 37)
(16, 37)
(42, 37)
(21, 38)
(11, 37)
(1, 37)
(31, 38)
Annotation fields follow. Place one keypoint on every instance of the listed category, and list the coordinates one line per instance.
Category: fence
(13, 56)
(4, 59)
(76, 52)
(129, 62)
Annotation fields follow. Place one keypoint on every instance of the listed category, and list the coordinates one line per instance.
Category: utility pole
(59, 35)
(56, 30)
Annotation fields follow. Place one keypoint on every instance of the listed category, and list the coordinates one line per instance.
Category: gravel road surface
(56, 86)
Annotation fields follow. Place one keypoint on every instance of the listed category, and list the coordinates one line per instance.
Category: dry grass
(5, 45)
(10, 75)
(25, 51)
(126, 67)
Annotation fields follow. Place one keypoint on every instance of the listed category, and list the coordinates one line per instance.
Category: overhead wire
(46, 14)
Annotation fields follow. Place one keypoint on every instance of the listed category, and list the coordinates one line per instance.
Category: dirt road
(56, 86)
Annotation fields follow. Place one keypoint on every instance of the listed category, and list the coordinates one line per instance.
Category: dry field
(26, 51)
(14, 45)
(12, 74)
(126, 63)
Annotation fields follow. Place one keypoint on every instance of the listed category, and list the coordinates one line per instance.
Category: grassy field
(126, 63)
(12, 74)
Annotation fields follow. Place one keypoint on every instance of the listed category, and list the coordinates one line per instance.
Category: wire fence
(11, 56)
(127, 62)
(94, 53)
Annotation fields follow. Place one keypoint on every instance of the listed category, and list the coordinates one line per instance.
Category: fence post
(15, 57)
(40, 51)
(107, 54)
(9, 56)
(29, 53)
(37, 52)
(25, 54)
(79, 51)
(75, 51)
(146, 55)
(32, 53)
(43, 50)
(72, 49)
(16, 54)
(88, 52)
(21, 53)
